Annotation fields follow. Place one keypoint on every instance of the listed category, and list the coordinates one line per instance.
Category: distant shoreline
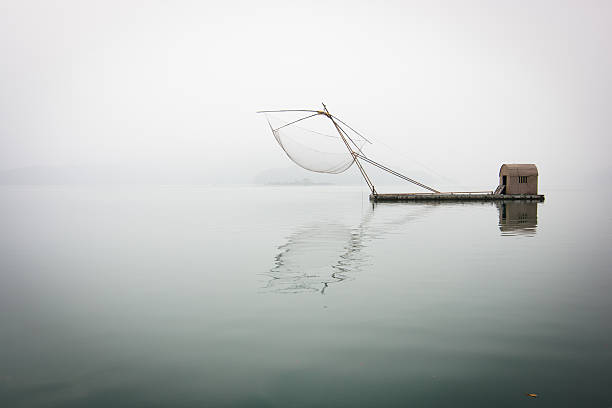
(304, 182)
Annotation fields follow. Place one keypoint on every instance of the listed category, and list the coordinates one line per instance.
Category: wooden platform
(454, 197)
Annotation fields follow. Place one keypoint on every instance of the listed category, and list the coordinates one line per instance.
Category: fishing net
(312, 141)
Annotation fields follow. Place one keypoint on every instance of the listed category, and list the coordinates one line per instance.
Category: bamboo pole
(353, 153)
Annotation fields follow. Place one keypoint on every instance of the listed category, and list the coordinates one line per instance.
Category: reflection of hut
(518, 217)
(518, 179)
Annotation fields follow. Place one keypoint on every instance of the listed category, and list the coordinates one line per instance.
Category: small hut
(518, 179)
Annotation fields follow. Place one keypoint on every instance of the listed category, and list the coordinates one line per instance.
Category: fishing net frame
(336, 157)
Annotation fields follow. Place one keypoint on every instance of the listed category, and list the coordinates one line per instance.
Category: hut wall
(514, 187)
(513, 174)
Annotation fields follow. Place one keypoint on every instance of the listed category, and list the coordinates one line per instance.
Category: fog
(170, 89)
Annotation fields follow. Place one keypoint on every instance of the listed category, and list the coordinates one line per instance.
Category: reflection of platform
(454, 197)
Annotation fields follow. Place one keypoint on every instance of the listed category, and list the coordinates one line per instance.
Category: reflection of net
(323, 254)
(314, 257)
(312, 142)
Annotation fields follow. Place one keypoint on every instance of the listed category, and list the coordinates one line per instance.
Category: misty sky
(460, 86)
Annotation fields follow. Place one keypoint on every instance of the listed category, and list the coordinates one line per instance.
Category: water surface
(301, 296)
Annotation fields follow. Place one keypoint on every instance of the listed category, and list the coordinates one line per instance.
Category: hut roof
(518, 170)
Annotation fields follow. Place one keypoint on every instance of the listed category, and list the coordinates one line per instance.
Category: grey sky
(460, 86)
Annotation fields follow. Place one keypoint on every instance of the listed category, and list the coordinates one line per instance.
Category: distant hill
(41, 175)
(109, 175)
(92, 174)
(295, 174)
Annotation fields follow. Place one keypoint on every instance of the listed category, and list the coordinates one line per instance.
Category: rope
(395, 173)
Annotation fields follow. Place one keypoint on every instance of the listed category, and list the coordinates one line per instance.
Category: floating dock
(454, 197)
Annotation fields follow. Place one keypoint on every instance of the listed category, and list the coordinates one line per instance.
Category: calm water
(301, 296)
